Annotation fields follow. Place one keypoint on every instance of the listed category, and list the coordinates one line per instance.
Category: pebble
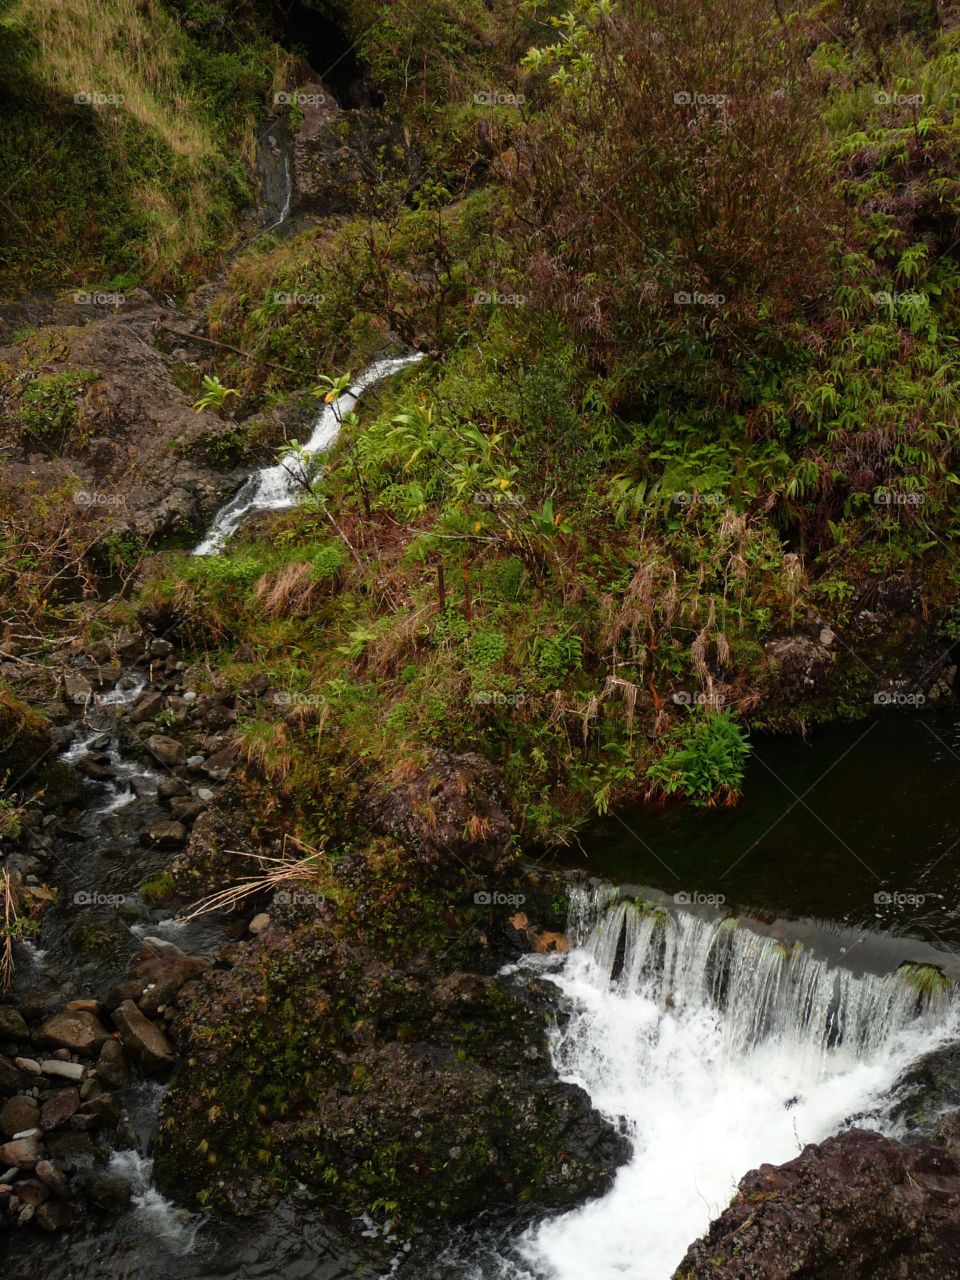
(259, 923)
(67, 1070)
(29, 1065)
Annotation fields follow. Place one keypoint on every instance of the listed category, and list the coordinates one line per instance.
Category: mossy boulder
(406, 1093)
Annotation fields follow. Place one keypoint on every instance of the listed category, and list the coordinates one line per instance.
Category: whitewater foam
(714, 1049)
(280, 487)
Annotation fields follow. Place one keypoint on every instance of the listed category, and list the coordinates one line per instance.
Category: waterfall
(278, 488)
(715, 1049)
(288, 195)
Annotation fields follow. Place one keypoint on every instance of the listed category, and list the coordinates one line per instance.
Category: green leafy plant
(214, 394)
(705, 760)
(330, 389)
(557, 656)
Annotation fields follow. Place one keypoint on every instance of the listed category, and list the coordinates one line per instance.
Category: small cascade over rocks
(277, 488)
(716, 1049)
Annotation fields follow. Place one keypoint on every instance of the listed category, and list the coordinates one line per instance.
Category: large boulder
(163, 975)
(367, 1081)
(76, 1030)
(856, 1207)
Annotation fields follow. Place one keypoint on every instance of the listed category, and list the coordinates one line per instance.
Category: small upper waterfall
(278, 487)
(716, 1049)
(287, 194)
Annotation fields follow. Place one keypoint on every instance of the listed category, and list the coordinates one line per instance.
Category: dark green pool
(823, 827)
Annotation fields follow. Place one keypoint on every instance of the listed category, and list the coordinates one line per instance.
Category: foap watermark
(493, 298)
(496, 698)
(884, 298)
(898, 498)
(298, 898)
(694, 498)
(694, 898)
(94, 898)
(894, 898)
(894, 698)
(92, 98)
(86, 498)
(297, 98)
(688, 698)
(696, 299)
(494, 898)
(497, 98)
(291, 699)
(97, 299)
(684, 99)
(496, 498)
(884, 99)
(297, 299)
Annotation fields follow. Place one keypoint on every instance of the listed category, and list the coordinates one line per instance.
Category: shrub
(705, 761)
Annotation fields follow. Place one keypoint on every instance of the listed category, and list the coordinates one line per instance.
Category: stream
(281, 486)
(757, 1005)
(715, 1042)
(99, 863)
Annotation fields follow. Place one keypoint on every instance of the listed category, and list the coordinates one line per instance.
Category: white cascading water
(279, 487)
(717, 1050)
(287, 197)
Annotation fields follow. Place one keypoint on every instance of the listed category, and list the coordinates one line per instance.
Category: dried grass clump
(273, 873)
(11, 918)
(290, 592)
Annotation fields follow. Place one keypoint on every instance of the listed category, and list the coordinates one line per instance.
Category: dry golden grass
(274, 872)
(289, 592)
(8, 905)
(118, 49)
(266, 747)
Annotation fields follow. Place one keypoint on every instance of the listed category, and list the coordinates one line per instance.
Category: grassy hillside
(126, 142)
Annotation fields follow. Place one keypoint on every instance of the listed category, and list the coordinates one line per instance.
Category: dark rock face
(797, 664)
(132, 411)
(449, 812)
(856, 1207)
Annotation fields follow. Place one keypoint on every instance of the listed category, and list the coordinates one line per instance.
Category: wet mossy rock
(450, 810)
(24, 734)
(411, 1095)
(858, 1206)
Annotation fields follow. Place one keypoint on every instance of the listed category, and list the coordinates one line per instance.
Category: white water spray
(716, 1049)
(278, 488)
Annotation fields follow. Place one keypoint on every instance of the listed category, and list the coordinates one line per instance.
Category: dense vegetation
(687, 278)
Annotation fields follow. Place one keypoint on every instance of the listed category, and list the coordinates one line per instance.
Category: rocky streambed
(276, 1012)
